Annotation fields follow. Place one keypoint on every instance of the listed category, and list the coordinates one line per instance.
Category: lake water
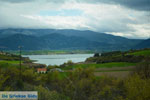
(59, 58)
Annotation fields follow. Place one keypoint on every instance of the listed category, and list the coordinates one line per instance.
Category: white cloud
(65, 22)
(141, 31)
(112, 19)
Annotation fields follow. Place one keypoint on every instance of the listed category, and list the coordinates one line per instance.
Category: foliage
(145, 52)
(116, 58)
(105, 65)
(137, 88)
(79, 83)
(7, 56)
(133, 56)
(67, 64)
(45, 94)
(9, 62)
(143, 69)
(96, 55)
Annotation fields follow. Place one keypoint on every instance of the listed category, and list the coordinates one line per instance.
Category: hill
(143, 44)
(63, 39)
(28, 42)
(52, 41)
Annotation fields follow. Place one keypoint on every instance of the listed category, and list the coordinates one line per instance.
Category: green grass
(105, 65)
(8, 57)
(9, 62)
(141, 53)
(64, 74)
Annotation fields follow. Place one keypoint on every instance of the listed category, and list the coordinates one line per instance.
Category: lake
(59, 58)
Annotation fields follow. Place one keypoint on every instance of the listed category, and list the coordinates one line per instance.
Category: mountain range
(65, 39)
(143, 44)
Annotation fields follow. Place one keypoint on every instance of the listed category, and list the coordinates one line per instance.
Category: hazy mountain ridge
(39, 39)
(51, 41)
(28, 42)
(143, 44)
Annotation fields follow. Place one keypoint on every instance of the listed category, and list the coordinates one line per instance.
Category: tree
(137, 88)
(96, 55)
(143, 69)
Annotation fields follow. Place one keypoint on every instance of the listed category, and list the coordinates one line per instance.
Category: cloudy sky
(128, 18)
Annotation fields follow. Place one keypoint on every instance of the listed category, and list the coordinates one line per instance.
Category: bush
(45, 94)
(96, 55)
(137, 88)
(143, 69)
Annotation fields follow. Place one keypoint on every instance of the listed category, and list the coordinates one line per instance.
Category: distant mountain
(59, 41)
(52, 41)
(143, 44)
(28, 42)
(33, 32)
(39, 39)
(101, 37)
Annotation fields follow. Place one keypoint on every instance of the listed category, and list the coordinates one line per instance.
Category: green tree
(143, 69)
(137, 88)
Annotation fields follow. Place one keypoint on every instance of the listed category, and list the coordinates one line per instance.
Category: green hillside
(141, 53)
(105, 65)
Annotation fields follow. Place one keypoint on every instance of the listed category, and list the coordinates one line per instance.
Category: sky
(127, 18)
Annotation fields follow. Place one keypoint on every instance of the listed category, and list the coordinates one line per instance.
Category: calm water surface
(59, 58)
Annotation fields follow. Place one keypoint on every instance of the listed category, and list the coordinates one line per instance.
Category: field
(141, 53)
(105, 65)
(114, 69)
(9, 62)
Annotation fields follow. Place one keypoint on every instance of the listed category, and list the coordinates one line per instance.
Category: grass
(117, 74)
(57, 75)
(8, 57)
(141, 53)
(9, 62)
(105, 65)
(112, 70)
(64, 74)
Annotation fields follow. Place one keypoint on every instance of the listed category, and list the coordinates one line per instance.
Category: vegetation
(9, 57)
(81, 83)
(9, 62)
(145, 52)
(104, 65)
(132, 56)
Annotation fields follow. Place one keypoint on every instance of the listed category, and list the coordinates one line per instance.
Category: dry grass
(129, 68)
(117, 74)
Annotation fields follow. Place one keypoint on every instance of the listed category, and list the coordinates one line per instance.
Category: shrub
(143, 69)
(137, 88)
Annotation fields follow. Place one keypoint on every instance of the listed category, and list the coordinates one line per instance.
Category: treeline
(80, 84)
(119, 56)
(8, 56)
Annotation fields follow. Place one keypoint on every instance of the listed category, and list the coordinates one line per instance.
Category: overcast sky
(128, 18)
